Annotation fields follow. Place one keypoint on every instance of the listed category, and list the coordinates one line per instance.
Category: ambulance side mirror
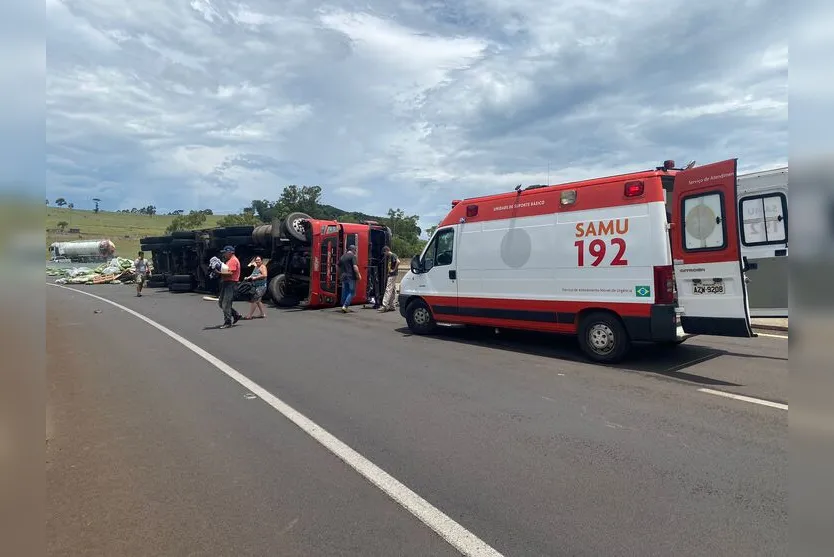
(416, 266)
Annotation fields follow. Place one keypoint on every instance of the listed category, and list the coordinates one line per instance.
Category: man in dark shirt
(349, 271)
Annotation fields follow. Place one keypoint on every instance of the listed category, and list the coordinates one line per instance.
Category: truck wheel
(603, 338)
(156, 240)
(239, 230)
(278, 288)
(419, 318)
(237, 240)
(153, 247)
(179, 287)
(294, 226)
(181, 279)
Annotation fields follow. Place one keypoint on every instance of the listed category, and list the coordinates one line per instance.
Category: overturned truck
(301, 255)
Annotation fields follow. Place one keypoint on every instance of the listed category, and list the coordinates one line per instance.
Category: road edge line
(453, 533)
(743, 398)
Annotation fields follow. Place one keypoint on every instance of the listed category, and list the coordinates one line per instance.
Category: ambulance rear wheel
(419, 318)
(603, 338)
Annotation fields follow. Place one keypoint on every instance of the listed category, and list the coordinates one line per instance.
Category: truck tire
(278, 288)
(239, 230)
(183, 235)
(237, 240)
(181, 279)
(603, 338)
(294, 227)
(156, 240)
(153, 247)
(179, 287)
(262, 235)
(419, 318)
(156, 283)
(183, 242)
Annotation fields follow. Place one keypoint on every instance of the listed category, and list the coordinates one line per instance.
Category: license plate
(708, 288)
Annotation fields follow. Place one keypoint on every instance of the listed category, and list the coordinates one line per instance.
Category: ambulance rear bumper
(661, 326)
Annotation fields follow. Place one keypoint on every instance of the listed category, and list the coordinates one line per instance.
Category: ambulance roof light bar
(670, 165)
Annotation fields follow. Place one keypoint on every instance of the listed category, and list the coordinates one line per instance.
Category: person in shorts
(258, 279)
(143, 271)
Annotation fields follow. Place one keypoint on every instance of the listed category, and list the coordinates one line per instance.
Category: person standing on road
(228, 282)
(143, 270)
(349, 271)
(258, 279)
(391, 268)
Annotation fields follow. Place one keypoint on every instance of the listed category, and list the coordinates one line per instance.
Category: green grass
(123, 229)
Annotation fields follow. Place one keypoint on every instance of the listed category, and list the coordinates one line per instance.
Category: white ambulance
(601, 259)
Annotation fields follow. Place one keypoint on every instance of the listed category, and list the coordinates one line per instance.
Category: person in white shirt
(143, 271)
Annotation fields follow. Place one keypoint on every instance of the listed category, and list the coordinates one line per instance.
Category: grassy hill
(123, 229)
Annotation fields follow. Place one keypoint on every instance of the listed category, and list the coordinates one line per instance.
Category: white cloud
(400, 103)
(352, 191)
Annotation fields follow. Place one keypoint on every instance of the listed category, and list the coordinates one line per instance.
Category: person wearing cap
(229, 277)
(349, 271)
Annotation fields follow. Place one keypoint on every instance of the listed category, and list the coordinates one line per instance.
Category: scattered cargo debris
(118, 270)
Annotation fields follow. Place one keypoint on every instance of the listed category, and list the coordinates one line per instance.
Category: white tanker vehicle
(83, 250)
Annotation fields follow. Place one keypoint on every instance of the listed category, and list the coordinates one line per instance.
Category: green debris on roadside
(118, 270)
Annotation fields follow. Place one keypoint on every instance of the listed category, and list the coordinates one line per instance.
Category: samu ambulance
(603, 259)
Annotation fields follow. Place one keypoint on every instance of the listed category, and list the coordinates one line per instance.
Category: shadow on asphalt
(667, 361)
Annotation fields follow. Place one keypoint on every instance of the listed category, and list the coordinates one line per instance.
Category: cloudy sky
(400, 103)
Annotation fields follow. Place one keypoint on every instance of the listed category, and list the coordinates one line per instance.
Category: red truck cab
(328, 242)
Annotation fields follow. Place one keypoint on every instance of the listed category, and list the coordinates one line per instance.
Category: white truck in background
(82, 250)
(763, 217)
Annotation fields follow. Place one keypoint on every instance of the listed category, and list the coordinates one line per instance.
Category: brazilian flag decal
(642, 291)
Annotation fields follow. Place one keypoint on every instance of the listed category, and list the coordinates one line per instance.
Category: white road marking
(746, 399)
(771, 336)
(456, 535)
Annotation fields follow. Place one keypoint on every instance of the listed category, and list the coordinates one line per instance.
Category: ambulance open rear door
(706, 249)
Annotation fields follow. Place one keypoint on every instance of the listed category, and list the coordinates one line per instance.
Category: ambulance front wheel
(419, 318)
(603, 337)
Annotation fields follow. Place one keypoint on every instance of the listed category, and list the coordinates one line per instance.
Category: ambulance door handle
(453, 275)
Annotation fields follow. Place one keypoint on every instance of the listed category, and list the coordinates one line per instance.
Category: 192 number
(598, 248)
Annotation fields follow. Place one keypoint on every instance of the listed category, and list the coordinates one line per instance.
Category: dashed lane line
(743, 398)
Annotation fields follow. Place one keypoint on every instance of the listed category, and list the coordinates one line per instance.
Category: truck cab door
(706, 251)
(324, 278)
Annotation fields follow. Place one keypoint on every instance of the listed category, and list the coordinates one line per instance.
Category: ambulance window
(764, 219)
(440, 252)
(704, 222)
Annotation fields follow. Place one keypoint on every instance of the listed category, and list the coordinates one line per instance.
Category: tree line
(406, 240)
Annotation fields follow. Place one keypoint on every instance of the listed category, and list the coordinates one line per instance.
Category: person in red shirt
(228, 281)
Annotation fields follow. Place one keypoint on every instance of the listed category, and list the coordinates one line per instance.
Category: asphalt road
(152, 451)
